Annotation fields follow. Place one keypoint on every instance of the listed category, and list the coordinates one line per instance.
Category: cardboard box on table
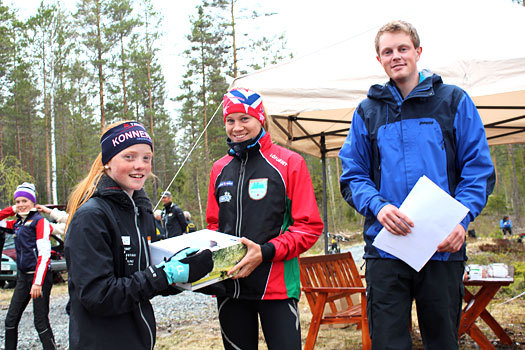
(226, 250)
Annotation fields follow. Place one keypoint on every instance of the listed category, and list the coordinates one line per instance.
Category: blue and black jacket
(435, 131)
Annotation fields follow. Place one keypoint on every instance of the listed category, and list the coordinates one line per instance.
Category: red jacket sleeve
(306, 226)
(212, 208)
(43, 243)
(5, 213)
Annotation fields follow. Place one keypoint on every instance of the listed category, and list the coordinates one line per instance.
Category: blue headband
(121, 137)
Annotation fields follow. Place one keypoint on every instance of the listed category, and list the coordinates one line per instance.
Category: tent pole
(325, 208)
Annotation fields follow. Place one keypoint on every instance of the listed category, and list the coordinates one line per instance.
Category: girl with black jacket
(110, 277)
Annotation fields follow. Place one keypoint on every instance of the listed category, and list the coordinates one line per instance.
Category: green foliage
(12, 175)
(496, 205)
(203, 86)
(519, 277)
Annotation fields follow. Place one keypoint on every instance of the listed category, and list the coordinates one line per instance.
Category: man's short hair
(395, 27)
(166, 194)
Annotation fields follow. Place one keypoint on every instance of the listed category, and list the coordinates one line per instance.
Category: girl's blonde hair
(85, 189)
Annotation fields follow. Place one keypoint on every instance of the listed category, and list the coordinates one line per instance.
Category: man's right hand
(394, 220)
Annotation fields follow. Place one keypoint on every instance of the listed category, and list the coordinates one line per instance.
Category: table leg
(480, 338)
(476, 307)
(496, 328)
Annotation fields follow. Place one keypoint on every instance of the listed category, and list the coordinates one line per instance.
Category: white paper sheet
(434, 213)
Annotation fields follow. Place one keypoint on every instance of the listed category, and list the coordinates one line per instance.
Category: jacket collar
(108, 188)
(390, 94)
(32, 212)
(261, 142)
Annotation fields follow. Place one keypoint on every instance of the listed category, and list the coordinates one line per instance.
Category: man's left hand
(454, 241)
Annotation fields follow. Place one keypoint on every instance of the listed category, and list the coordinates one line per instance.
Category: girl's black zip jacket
(110, 277)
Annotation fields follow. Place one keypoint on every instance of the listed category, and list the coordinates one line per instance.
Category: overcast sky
(312, 25)
(304, 23)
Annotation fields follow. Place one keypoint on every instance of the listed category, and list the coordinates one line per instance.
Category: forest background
(66, 73)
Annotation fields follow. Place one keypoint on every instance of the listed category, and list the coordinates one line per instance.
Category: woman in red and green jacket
(263, 193)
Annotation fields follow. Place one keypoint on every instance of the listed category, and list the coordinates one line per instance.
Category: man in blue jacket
(413, 125)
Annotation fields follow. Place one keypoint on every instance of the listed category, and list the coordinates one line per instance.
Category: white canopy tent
(477, 45)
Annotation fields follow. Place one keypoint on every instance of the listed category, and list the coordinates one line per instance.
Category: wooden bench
(326, 279)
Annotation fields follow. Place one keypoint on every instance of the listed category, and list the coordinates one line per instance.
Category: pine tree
(19, 95)
(7, 49)
(121, 27)
(91, 16)
(254, 50)
(43, 26)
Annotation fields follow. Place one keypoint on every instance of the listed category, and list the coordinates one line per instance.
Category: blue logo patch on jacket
(225, 183)
(225, 198)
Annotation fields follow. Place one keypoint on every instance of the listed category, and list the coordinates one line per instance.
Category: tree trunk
(100, 73)
(332, 197)
(234, 44)
(515, 194)
(150, 102)
(53, 154)
(201, 212)
(18, 146)
(124, 92)
(493, 155)
(165, 170)
(204, 107)
(23, 148)
(46, 125)
(30, 145)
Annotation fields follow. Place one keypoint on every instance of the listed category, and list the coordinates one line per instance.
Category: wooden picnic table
(476, 308)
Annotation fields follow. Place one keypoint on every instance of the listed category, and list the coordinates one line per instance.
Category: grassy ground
(509, 315)
(480, 251)
(206, 335)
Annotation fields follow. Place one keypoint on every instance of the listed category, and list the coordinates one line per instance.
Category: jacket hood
(108, 188)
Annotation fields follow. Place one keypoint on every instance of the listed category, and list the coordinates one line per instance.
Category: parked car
(9, 271)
